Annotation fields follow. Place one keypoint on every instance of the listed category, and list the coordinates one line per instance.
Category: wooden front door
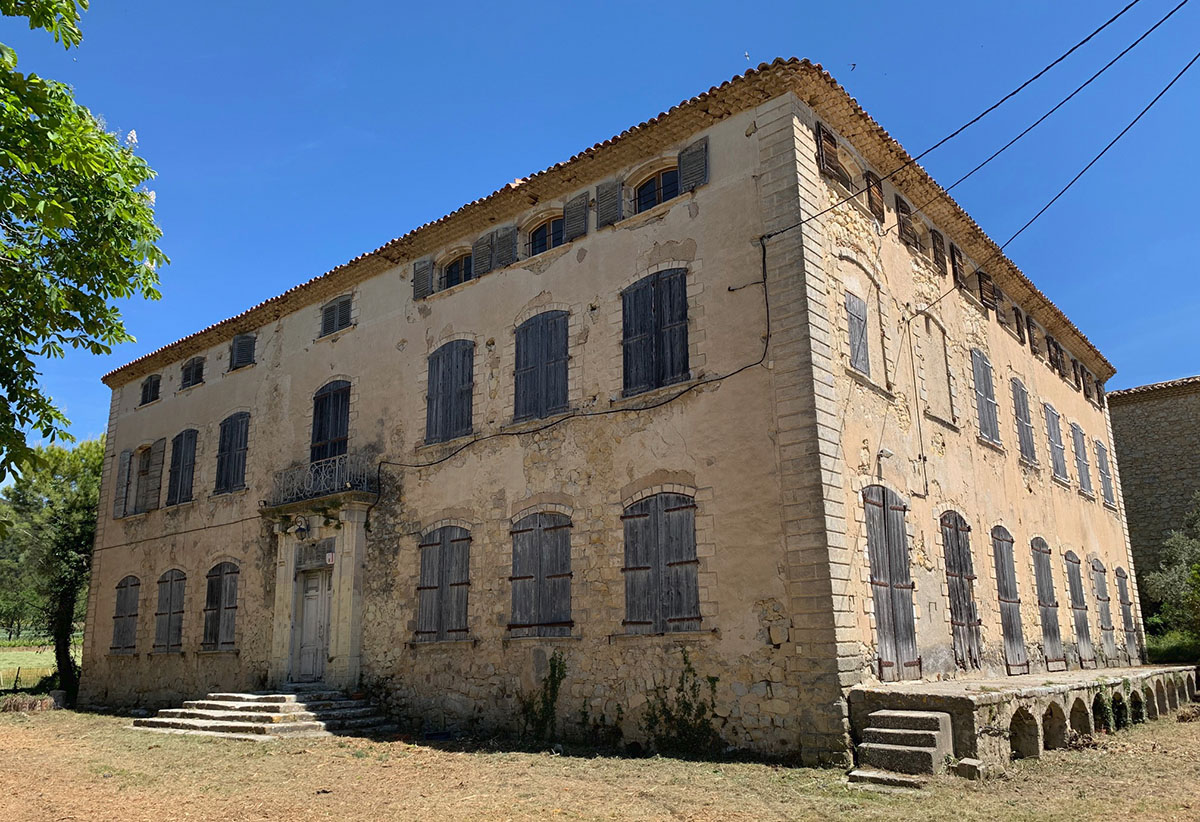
(891, 584)
(1052, 646)
(960, 579)
(312, 644)
(1015, 656)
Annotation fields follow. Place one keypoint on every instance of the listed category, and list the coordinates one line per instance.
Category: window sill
(155, 401)
(434, 447)
(331, 337)
(180, 654)
(232, 492)
(1087, 495)
(469, 642)
(866, 381)
(186, 388)
(685, 636)
(1112, 506)
(535, 423)
(1032, 465)
(219, 652)
(652, 395)
(995, 446)
(175, 506)
(642, 218)
(241, 367)
(522, 639)
(130, 654)
(953, 426)
(1065, 483)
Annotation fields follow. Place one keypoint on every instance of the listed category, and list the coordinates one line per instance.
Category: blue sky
(290, 137)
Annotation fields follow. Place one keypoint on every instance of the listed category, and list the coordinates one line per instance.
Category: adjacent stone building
(1156, 431)
(742, 381)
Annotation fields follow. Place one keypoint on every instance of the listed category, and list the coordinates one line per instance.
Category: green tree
(53, 503)
(1176, 583)
(77, 232)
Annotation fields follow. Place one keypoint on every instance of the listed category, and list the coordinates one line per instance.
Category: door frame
(325, 575)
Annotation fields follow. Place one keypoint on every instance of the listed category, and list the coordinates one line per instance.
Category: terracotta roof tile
(1183, 382)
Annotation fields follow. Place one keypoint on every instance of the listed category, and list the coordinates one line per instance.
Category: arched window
(541, 366)
(442, 588)
(150, 388)
(335, 314)
(168, 616)
(220, 608)
(546, 236)
(331, 421)
(658, 188)
(661, 587)
(125, 616)
(193, 372)
(458, 271)
(541, 576)
(231, 452)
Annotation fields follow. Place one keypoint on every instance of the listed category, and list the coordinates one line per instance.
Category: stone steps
(300, 712)
(897, 747)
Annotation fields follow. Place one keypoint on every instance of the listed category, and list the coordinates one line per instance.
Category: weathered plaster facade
(1156, 429)
(774, 436)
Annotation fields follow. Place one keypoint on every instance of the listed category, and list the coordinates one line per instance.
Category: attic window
(150, 387)
(546, 236)
(662, 186)
(193, 372)
(459, 271)
(335, 315)
(827, 157)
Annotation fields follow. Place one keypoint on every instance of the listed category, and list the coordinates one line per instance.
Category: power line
(966, 125)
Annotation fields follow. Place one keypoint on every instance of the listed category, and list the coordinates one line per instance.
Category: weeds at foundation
(680, 722)
(1102, 708)
(539, 710)
(598, 731)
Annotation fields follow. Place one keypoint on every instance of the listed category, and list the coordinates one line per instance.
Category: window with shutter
(443, 584)
(1018, 324)
(939, 250)
(891, 584)
(1106, 483)
(193, 373)
(448, 393)
(661, 590)
(231, 453)
(575, 217)
(121, 505)
(1132, 647)
(827, 156)
(987, 292)
(1015, 655)
(660, 187)
(654, 331)
(550, 234)
(1058, 452)
(958, 267)
(904, 224)
(1052, 647)
(481, 254)
(1079, 441)
(125, 616)
(331, 421)
(541, 366)
(504, 252)
(457, 271)
(241, 351)
(985, 397)
(960, 579)
(183, 467)
(609, 203)
(150, 388)
(1031, 328)
(1104, 611)
(148, 481)
(220, 608)
(335, 315)
(693, 166)
(422, 279)
(1024, 421)
(1076, 375)
(856, 315)
(875, 196)
(168, 617)
(541, 576)
(1083, 633)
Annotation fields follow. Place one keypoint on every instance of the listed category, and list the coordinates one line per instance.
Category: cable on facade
(966, 125)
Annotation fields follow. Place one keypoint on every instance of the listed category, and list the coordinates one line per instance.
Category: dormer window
(193, 372)
(150, 387)
(335, 315)
(662, 186)
(546, 236)
(457, 272)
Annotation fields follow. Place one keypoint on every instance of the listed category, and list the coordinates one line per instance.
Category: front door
(313, 640)
(891, 584)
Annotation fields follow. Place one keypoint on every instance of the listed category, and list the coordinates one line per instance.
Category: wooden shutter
(462, 374)
(481, 254)
(555, 362)
(187, 465)
(1018, 324)
(827, 156)
(435, 389)
(985, 397)
(125, 614)
(428, 587)
(638, 337)
(671, 317)
(891, 584)
(1075, 375)
(987, 292)
(1104, 611)
(1015, 656)
(902, 586)
(608, 203)
(575, 217)
(1052, 648)
(1106, 484)
(679, 591)
(528, 371)
(422, 279)
(554, 572)
(241, 351)
(1031, 328)
(525, 537)
(957, 266)
(456, 555)
(162, 614)
(904, 223)
(329, 319)
(229, 603)
(875, 196)
(212, 610)
(1127, 623)
(175, 634)
(960, 577)
(939, 250)
(121, 491)
(504, 252)
(240, 441)
(856, 315)
(1079, 443)
(1024, 420)
(343, 311)
(641, 559)
(173, 476)
(1083, 633)
(693, 166)
(154, 476)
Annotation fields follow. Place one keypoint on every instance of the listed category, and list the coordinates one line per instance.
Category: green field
(34, 662)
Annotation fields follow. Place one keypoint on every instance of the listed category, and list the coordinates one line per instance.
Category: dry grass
(66, 766)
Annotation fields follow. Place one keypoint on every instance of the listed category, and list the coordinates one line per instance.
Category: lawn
(66, 766)
(34, 662)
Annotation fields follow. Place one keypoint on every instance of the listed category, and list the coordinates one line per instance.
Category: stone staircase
(899, 748)
(261, 717)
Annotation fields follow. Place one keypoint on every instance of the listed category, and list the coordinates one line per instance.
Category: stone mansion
(742, 380)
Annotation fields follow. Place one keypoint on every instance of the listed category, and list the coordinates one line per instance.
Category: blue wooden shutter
(575, 217)
(856, 315)
(422, 279)
(693, 165)
(671, 316)
(463, 376)
(638, 337)
(241, 351)
(554, 363)
(641, 560)
(608, 203)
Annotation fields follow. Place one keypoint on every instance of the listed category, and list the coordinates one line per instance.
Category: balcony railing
(336, 475)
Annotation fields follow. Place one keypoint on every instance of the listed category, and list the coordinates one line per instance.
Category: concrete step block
(910, 720)
(898, 736)
(899, 758)
(216, 734)
(246, 697)
(888, 779)
(237, 716)
(246, 707)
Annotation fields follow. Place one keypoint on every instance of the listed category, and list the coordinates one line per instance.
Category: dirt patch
(62, 765)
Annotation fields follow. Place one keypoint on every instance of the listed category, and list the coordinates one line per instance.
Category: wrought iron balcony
(323, 478)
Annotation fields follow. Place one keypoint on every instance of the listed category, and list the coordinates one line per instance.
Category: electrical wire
(966, 125)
